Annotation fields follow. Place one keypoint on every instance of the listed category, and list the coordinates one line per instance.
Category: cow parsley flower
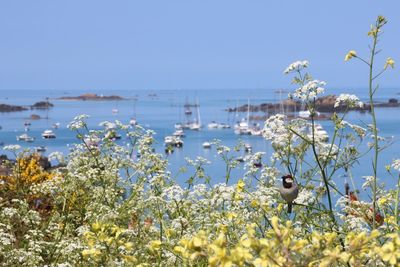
(78, 122)
(296, 66)
(309, 91)
(396, 164)
(351, 101)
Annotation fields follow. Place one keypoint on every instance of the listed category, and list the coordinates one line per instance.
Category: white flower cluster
(360, 131)
(309, 91)
(12, 147)
(351, 101)
(78, 122)
(58, 156)
(275, 129)
(296, 66)
(396, 164)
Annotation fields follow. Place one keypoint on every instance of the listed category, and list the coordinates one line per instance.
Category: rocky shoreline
(92, 97)
(324, 104)
(15, 108)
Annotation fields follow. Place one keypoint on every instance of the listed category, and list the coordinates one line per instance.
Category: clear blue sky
(171, 44)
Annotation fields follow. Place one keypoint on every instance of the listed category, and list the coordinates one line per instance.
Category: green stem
(374, 128)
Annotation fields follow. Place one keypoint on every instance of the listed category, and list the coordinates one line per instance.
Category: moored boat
(48, 134)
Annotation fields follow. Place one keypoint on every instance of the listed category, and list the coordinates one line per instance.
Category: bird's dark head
(287, 181)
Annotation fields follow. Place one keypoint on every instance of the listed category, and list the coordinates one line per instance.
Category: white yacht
(212, 125)
(25, 137)
(206, 145)
(197, 124)
(179, 133)
(48, 134)
(223, 126)
(169, 140)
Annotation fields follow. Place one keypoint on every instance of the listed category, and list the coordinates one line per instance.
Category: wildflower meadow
(105, 204)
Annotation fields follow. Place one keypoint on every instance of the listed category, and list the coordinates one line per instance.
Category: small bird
(289, 190)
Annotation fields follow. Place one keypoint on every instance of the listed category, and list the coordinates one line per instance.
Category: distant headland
(92, 97)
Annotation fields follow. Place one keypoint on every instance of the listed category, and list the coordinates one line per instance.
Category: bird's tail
(289, 207)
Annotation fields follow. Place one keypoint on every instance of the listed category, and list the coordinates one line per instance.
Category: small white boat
(223, 126)
(114, 111)
(256, 132)
(56, 125)
(133, 122)
(247, 148)
(212, 125)
(169, 140)
(307, 114)
(206, 145)
(178, 142)
(240, 159)
(178, 126)
(25, 137)
(48, 134)
(195, 126)
(179, 133)
(40, 149)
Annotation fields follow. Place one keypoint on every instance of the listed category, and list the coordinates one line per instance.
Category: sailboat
(133, 120)
(197, 124)
(243, 126)
(48, 134)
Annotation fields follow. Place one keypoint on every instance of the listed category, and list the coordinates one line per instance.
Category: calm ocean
(160, 110)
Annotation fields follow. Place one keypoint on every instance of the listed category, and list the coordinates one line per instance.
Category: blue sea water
(160, 110)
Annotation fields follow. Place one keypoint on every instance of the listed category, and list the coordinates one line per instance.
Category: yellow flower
(231, 215)
(128, 245)
(350, 55)
(389, 62)
(96, 226)
(240, 186)
(94, 253)
(155, 245)
(254, 203)
(382, 201)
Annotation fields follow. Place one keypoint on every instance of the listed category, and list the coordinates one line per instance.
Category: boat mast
(198, 113)
(248, 111)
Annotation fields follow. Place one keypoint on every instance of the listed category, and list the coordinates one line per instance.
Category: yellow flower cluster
(283, 245)
(27, 171)
(103, 241)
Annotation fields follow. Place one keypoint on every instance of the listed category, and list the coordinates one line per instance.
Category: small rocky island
(11, 108)
(16, 108)
(42, 105)
(92, 97)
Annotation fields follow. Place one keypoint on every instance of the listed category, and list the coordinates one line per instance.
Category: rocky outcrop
(42, 105)
(34, 117)
(92, 97)
(11, 108)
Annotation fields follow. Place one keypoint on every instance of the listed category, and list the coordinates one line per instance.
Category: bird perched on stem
(289, 190)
